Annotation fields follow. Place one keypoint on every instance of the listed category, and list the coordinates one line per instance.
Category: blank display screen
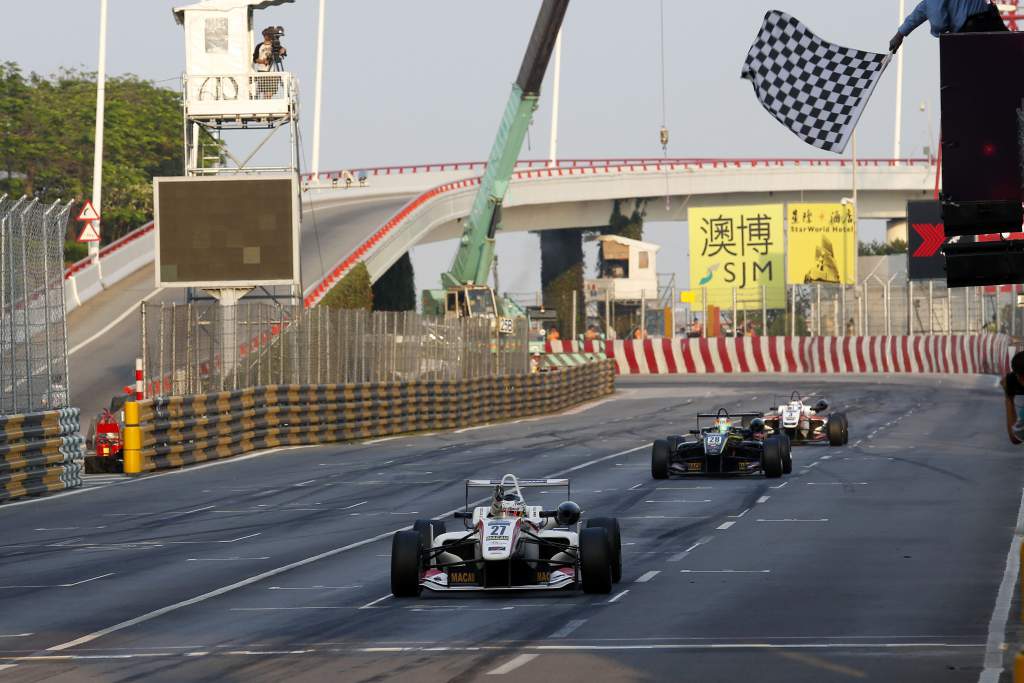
(225, 230)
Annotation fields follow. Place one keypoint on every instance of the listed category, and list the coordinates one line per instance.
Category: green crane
(465, 292)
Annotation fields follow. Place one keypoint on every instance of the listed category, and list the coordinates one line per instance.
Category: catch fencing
(33, 329)
(876, 306)
(181, 430)
(40, 453)
(200, 348)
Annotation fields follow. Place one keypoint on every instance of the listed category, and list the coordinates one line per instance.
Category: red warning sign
(88, 212)
(90, 232)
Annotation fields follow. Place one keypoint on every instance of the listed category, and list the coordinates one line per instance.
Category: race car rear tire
(406, 561)
(428, 529)
(595, 560)
(846, 426)
(835, 429)
(787, 453)
(771, 459)
(661, 458)
(611, 525)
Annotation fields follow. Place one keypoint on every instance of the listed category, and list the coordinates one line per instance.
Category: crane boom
(475, 254)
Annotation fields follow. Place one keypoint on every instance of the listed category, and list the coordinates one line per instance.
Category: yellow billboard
(822, 244)
(738, 248)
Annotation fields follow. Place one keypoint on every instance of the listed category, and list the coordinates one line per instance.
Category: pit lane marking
(679, 556)
(512, 664)
(568, 628)
(618, 596)
(644, 578)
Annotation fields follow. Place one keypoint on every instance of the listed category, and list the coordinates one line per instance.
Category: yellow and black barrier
(40, 453)
(175, 431)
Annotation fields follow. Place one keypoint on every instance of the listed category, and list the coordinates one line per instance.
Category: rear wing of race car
(512, 484)
(745, 418)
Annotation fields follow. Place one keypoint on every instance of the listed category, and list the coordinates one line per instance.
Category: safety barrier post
(132, 439)
(1018, 667)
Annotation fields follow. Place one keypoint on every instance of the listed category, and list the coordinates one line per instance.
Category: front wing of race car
(815, 432)
(738, 457)
(482, 576)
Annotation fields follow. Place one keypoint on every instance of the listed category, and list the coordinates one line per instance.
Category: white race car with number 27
(508, 545)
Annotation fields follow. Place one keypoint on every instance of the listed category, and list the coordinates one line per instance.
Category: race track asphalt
(877, 561)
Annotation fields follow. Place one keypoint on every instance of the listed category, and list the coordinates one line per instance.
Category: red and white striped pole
(139, 394)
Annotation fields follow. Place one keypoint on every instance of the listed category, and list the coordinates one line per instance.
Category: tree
(354, 292)
(47, 129)
(876, 248)
(395, 290)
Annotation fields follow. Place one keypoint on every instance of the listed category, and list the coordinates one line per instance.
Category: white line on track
(779, 486)
(725, 571)
(568, 628)
(373, 603)
(16, 635)
(724, 525)
(223, 559)
(634, 487)
(617, 596)
(681, 488)
(63, 585)
(678, 501)
(837, 483)
(792, 520)
(355, 505)
(312, 588)
(763, 499)
(644, 578)
(305, 483)
(512, 664)
(376, 441)
(4, 667)
(89, 637)
(1001, 612)
(741, 514)
(471, 429)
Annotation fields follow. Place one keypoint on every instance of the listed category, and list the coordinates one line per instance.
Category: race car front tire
(661, 458)
(428, 529)
(771, 459)
(611, 525)
(406, 561)
(595, 560)
(787, 453)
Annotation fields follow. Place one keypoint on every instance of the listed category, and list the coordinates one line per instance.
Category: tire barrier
(40, 453)
(170, 432)
(955, 354)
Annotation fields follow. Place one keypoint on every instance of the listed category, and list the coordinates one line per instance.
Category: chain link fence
(199, 348)
(33, 328)
(876, 306)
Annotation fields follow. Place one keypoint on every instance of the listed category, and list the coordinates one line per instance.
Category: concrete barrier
(119, 259)
(956, 354)
(40, 453)
(171, 432)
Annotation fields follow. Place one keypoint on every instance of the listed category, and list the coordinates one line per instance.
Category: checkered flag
(816, 89)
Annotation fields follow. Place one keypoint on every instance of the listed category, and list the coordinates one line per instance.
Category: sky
(408, 81)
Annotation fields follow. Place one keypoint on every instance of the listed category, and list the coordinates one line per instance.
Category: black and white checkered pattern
(816, 89)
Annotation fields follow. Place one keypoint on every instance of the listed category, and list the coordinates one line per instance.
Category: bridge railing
(623, 162)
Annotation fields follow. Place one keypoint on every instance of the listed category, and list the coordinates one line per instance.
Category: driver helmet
(723, 425)
(757, 428)
(512, 507)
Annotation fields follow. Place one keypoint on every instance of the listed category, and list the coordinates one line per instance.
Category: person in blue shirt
(950, 16)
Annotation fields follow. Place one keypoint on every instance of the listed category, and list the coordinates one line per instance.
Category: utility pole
(553, 147)
(97, 163)
(315, 170)
(898, 135)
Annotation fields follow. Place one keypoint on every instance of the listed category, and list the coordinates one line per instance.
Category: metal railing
(197, 348)
(255, 86)
(33, 329)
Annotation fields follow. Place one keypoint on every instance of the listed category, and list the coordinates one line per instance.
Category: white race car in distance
(803, 423)
(508, 545)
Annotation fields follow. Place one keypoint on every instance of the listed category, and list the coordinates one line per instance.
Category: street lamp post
(318, 91)
(897, 137)
(97, 163)
(553, 147)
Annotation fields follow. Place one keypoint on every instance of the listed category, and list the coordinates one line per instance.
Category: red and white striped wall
(957, 354)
